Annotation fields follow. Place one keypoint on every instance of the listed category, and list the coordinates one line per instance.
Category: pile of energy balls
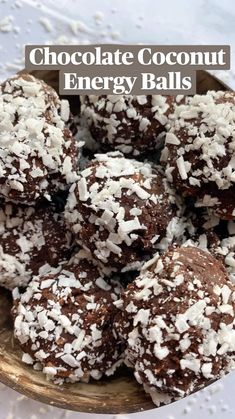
(118, 234)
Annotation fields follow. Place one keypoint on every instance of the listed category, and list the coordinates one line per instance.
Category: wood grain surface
(116, 395)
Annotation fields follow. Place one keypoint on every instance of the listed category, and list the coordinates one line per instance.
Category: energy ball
(220, 201)
(31, 240)
(64, 323)
(199, 151)
(225, 249)
(38, 154)
(133, 125)
(121, 210)
(177, 319)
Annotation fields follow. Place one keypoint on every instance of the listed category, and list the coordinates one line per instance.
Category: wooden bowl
(115, 395)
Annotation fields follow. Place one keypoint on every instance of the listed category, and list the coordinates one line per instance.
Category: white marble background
(145, 21)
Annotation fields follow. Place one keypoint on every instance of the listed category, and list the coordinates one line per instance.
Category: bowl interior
(115, 395)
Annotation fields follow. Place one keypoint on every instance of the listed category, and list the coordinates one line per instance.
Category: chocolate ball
(203, 229)
(64, 323)
(211, 234)
(38, 154)
(177, 319)
(199, 151)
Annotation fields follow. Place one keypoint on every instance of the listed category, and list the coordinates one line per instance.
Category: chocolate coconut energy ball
(203, 229)
(121, 210)
(178, 322)
(222, 246)
(211, 234)
(199, 151)
(133, 125)
(38, 154)
(64, 322)
(31, 241)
